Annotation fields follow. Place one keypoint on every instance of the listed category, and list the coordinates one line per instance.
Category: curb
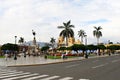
(45, 63)
(63, 61)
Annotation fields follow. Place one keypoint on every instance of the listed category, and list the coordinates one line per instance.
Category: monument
(35, 47)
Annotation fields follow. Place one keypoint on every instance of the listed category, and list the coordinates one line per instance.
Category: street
(102, 68)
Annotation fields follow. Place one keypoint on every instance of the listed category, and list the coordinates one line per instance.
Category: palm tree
(97, 33)
(52, 41)
(81, 34)
(21, 40)
(67, 31)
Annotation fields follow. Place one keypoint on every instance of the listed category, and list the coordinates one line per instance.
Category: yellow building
(71, 41)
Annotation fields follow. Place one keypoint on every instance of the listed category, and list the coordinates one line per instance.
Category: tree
(45, 48)
(62, 48)
(110, 43)
(67, 31)
(112, 48)
(52, 41)
(101, 47)
(91, 47)
(97, 33)
(81, 34)
(77, 47)
(69, 48)
(11, 47)
(21, 40)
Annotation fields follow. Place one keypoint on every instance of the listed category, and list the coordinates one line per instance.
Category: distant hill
(41, 44)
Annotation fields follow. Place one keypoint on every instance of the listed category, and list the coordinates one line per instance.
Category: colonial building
(71, 41)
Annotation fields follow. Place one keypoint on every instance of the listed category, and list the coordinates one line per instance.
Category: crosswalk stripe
(8, 74)
(84, 79)
(66, 78)
(31, 78)
(20, 77)
(3, 74)
(8, 71)
(14, 75)
(49, 78)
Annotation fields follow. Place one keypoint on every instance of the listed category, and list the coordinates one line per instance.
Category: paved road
(104, 68)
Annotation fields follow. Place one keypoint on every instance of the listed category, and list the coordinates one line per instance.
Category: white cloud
(19, 17)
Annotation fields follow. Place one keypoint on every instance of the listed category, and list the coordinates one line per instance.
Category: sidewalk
(37, 60)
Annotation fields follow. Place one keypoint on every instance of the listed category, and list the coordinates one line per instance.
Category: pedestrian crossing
(9, 74)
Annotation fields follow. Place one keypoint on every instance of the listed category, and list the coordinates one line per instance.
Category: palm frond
(71, 26)
(99, 28)
(68, 23)
(61, 27)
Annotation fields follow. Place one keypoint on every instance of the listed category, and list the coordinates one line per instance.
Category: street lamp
(85, 39)
(15, 53)
(15, 39)
(86, 54)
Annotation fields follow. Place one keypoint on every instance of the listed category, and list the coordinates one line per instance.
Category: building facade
(71, 41)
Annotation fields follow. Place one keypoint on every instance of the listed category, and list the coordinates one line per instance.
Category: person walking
(6, 56)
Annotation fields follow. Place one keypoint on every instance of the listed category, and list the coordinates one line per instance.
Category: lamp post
(107, 47)
(85, 39)
(15, 53)
(86, 54)
(15, 39)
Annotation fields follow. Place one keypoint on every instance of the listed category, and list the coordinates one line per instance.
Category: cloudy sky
(20, 17)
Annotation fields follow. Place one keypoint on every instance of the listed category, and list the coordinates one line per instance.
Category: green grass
(53, 57)
(59, 57)
(2, 56)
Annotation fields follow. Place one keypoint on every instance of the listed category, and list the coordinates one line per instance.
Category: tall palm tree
(52, 41)
(81, 34)
(21, 40)
(97, 33)
(67, 31)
